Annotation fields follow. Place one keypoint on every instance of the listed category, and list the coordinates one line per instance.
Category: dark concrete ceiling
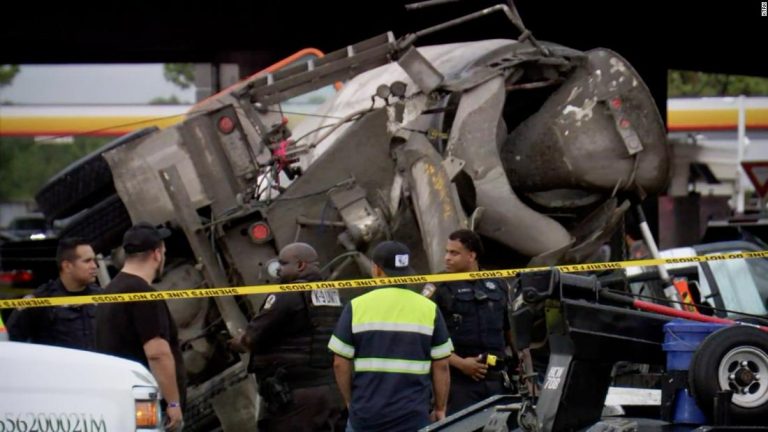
(723, 36)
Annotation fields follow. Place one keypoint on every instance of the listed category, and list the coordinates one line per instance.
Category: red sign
(758, 175)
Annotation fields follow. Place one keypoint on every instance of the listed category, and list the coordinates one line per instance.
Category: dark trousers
(465, 391)
(313, 409)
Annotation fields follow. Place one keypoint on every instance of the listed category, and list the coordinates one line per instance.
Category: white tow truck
(723, 288)
(45, 388)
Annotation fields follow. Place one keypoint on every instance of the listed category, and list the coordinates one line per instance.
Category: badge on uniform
(490, 285)
(429, 290)
(269, 301)
(326, 297)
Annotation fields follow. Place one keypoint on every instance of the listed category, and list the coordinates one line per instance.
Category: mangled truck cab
(538, 147)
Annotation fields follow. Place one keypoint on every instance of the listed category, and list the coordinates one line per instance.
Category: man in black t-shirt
(144, 331)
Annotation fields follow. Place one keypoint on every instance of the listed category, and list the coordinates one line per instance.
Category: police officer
(476, 314)
(288, 341)
(66, 326)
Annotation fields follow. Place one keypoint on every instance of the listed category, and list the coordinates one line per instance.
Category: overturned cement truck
(538, 147)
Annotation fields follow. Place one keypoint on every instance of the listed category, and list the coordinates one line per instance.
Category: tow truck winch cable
(669, 311)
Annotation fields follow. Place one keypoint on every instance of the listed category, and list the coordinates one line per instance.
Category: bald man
(288, 341)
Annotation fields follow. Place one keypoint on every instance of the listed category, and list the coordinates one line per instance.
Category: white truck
(45, 388)
(717, 287)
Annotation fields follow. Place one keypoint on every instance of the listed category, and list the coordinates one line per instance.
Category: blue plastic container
(686, 410)
(681, 339)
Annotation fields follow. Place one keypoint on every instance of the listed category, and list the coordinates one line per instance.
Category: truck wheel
(102, 225)
(735, 358)
(84, 183)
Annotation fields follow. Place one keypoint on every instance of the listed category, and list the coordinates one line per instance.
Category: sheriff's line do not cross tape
(358, 283)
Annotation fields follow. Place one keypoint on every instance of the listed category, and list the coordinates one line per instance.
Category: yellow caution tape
(358, 283)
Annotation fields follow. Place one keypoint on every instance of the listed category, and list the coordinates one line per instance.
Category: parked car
(29, 227)
(27, 263)
(27, 255)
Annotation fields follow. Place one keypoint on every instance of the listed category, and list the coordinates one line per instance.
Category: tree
(25, 165)
(171, 100)
(698, 84)
(181, 74)
(7, 73)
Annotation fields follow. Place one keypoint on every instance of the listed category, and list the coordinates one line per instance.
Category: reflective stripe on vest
(416, 367)
(393, 309)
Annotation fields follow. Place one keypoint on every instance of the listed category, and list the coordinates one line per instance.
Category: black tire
(83, 183)
(718, 364)
(103, 225)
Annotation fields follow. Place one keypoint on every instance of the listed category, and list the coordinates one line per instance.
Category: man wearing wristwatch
(144, 331)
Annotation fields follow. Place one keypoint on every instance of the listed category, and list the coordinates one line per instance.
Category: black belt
(494, 375)
(309, 379)
(298, 376)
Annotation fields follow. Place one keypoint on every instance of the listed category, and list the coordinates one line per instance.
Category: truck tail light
(16, 276)
(147, 414)
(226, 125)
(260, 232)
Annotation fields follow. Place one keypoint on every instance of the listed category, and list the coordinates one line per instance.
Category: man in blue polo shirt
(391, 353)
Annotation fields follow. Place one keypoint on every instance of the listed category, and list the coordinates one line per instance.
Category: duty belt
(309, 378)
(494, 375)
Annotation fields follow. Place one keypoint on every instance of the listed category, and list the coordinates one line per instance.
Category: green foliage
(700, 84)
(181, 74)
(7, 73)
(171, 100)
(25, 166)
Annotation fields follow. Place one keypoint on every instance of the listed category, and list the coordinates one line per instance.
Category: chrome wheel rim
(745, 371)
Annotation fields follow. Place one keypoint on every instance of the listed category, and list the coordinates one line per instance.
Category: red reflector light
(624, 123)
(616, 103)
(226, 125)
(260, 232)
(16, 276)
